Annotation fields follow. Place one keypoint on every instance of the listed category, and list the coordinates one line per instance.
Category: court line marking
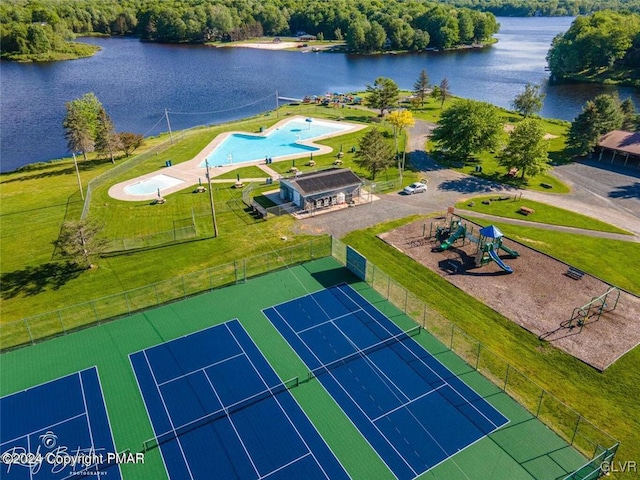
(331, 320)
(369, 361)
(86, 411)
(153, 377)
(295, 460)
(201, 369)
(284, 411)
(29, 450)
(106, 411)
(153, 427)
(226, 411)
(351, 398)
(419, 397)
(51, 425)
(420, 360)
(313, 426)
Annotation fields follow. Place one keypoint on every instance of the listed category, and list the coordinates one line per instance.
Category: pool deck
(191, 173)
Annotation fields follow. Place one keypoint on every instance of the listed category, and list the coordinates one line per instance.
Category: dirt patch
(538, 295)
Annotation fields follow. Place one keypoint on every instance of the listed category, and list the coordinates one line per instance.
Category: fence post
(311, 249)
(540, 403)
(244, 274)
(575, 430)
(424, 316)
(184, 288)
(406, 299)
(478, 357)
(235, 268)
(452, 331)
(388, 285)
(126, 299)
(95, 312)
(155, 289)
(26, 324)
(64, 330)
(506, 378)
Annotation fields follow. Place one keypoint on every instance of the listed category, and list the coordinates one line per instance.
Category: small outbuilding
(621, 142)
(323, 189)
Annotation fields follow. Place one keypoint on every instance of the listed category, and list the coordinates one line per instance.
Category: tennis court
(413, 411)
(57, 430)
(216, 405)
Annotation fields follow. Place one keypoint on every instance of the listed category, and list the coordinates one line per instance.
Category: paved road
(612, 195)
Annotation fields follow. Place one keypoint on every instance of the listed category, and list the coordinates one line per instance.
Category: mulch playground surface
(538, 295)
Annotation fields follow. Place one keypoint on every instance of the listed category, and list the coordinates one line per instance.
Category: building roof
(324, 181)
(622, 141)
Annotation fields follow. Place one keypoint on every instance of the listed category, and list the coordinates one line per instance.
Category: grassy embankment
(71, 51)
(607, 399)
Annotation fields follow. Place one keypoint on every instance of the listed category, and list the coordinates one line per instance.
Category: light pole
(75, 162)
(213, 210)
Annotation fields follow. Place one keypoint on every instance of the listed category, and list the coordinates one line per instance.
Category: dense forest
(37, 27)
(546, 8)
(604, 46)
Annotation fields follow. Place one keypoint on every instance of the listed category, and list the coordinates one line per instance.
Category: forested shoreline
(34, 30)
(603, 47)
(546, 8)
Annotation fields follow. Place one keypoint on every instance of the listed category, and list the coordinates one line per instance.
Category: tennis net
(223, 412)
(394, 339)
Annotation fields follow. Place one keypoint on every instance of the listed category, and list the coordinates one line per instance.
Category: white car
(415, 187)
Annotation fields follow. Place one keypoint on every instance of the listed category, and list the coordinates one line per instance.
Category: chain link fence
(577, 431)
(59, 322)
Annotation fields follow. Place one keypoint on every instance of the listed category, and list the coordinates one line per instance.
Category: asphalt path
(599, 190)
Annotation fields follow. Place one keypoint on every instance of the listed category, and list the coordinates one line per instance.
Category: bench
(513, 171)
(526, 211)
(574, 273)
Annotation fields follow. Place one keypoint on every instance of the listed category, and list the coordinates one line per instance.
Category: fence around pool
(570, 425)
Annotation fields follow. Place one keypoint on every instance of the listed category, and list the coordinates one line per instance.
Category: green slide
(453, 237)
(513, 253)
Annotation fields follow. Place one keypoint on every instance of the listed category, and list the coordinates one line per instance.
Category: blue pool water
(241, 147)
(152, 185)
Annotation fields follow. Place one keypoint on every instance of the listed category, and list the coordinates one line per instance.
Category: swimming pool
(283, 141)
(152, 185)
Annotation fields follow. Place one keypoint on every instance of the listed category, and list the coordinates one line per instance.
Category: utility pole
(166, 114)
(213, 210)
(75, 162)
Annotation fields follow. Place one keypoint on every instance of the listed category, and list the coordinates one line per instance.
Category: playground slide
(494, 256)
(453, 237)
(513, 253)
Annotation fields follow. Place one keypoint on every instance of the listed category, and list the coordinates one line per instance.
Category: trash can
(167, 163)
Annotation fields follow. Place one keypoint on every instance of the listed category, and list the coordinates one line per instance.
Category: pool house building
(323, 189)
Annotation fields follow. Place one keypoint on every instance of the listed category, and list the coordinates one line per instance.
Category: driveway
(598, 190)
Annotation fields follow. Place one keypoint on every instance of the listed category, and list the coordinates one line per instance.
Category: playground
(570, 309)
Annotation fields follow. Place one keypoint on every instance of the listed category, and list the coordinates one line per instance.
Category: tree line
(603, 43)
(31, 28)
(546, 8)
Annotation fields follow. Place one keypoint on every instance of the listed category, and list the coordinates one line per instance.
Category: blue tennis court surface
(57, 430)
(219, 410)
(412, 410)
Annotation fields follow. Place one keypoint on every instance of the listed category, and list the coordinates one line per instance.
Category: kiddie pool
(152, 185)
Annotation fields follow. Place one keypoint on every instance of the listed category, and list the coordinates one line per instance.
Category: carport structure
(623, 143)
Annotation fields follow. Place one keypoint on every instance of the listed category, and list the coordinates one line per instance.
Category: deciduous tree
(374, 154)
(80, 241)
(527, 149)
(107, 140)
(80, 123)
(129, 142)
(400, 119)
(529, 101)
(468, 127)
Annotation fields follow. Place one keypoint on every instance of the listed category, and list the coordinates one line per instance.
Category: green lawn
(614, 261)
(244, 172)
(607, 399)
(544, 213)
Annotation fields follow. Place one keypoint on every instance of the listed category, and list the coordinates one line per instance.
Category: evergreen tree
(374, 154)
(421, 86)
(583, 133)
(527, 149)
(107, 140)
(443, 91)
(383, 94)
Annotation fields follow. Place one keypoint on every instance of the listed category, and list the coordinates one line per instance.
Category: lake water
(137, 81)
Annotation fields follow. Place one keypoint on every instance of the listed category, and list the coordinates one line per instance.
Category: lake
(137, 81)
